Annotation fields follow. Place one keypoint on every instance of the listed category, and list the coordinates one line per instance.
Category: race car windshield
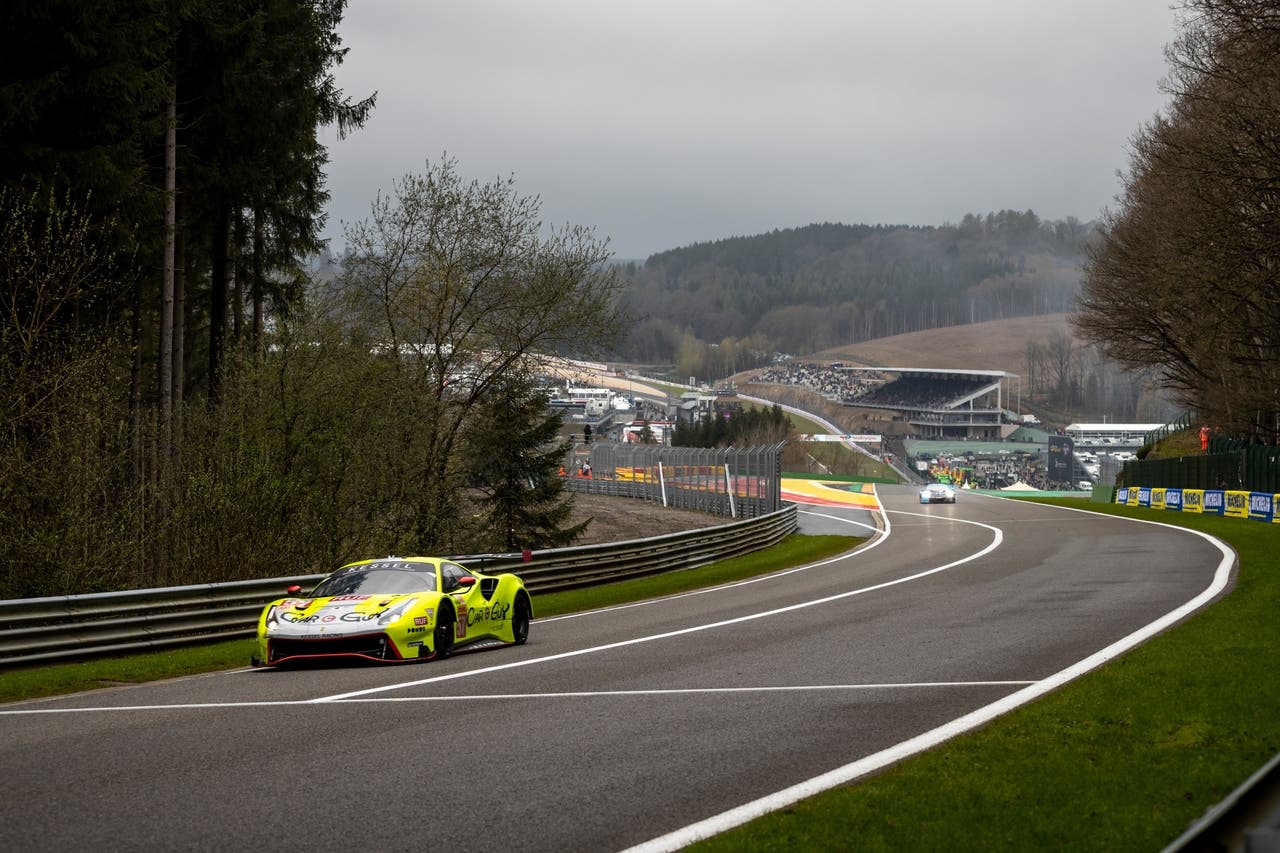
(370, 581)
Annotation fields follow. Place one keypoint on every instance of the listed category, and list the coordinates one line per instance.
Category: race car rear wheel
(520, 620)
(442, 639)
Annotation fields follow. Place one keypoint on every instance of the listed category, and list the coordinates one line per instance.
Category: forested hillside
(179, 401)
(716, 308)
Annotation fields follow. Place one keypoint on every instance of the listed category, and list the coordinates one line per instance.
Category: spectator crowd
(831, 381)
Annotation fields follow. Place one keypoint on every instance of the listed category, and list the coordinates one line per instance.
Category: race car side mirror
(294, 590)
(466, 581)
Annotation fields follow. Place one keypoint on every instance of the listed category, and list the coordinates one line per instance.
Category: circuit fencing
(1238, 466)
(733, 482)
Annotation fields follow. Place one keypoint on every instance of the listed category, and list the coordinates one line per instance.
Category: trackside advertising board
(1237, 505)
(1259, 506)
(1192, 500)
(1262, 506)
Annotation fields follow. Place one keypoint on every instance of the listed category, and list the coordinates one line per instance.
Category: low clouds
(666, 123)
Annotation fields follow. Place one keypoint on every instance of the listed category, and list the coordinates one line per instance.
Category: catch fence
(1228, 465)
(733, 482)
(1157, 435)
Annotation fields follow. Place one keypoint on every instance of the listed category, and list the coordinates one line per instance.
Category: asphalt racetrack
(646, 725)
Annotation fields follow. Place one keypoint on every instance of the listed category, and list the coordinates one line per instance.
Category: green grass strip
(1124, 758)
(792, 551)
(34, 682)
(58, 679)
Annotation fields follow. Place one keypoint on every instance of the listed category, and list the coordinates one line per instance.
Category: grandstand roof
(943, 371)
(1113, 427)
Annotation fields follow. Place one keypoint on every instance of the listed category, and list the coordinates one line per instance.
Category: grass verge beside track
(62, 678)
(1124, 758)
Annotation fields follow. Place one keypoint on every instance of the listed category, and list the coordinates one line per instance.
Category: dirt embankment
(616, 519)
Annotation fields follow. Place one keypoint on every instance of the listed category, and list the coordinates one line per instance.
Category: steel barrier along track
(66, 627)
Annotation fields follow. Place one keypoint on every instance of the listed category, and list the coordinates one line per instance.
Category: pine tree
(512, 457)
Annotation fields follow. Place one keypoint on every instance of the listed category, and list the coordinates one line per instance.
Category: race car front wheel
(520, 620)
(442, 639)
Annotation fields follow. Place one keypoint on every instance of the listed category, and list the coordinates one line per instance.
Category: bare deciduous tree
(1185, 277)
(461, 283)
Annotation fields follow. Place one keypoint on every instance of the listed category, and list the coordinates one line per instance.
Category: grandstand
(943, 404)
(1112, 436)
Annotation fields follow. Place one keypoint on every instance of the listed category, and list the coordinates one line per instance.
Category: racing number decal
(460, 624)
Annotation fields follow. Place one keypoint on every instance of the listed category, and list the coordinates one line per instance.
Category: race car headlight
(272, 620)
(389, 617)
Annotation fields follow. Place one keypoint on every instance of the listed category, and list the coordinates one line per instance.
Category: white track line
(486, 697)
(882, 533)
(688, 691)
(870, 527)
(843, 775)
(996, 538)
(887, 527)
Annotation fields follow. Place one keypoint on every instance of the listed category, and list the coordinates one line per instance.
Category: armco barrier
(36, 630)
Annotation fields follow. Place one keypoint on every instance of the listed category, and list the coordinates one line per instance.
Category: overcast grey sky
(664, 123)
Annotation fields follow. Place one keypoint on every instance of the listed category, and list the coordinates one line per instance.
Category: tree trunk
(258, 242)
(166, 285)
(179, 318)
(235, 266)
(135, 380)
(218, 298)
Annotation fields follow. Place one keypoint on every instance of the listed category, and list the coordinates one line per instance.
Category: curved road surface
(614, 728)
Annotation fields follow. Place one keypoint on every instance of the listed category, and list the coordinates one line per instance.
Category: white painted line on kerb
(974, 719)
(996, 538)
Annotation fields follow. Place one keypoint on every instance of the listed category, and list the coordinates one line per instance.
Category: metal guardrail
(1247, 819)
(42, 630)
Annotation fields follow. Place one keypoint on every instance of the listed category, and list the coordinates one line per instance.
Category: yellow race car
(396, 609)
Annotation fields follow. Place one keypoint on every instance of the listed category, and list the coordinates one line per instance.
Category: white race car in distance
(938, 493)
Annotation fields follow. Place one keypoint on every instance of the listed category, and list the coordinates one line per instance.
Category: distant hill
(1062, 379)
(994, 345)
(807, 289)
